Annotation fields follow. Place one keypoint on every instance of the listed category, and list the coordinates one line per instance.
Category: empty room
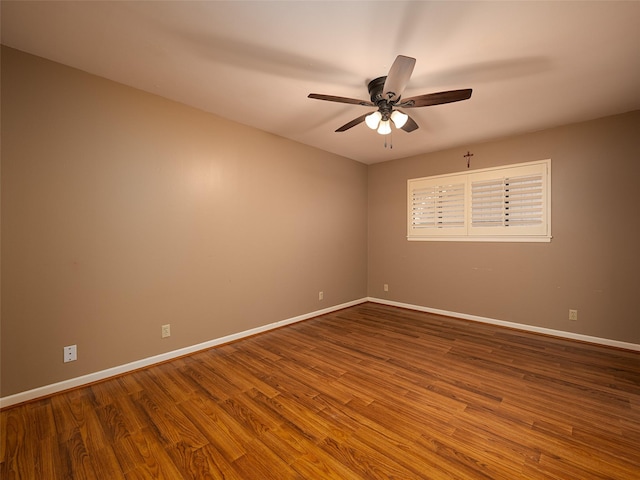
(320, 240)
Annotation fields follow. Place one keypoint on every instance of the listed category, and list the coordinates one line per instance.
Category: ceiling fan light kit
(398, 118)
(376, 121)
(386, 95)
(385, 127)
(373, 120)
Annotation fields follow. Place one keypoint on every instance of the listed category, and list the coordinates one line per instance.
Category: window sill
(502, 238)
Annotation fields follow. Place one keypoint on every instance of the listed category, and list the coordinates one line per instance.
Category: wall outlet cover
(166, 330)
(70, 353)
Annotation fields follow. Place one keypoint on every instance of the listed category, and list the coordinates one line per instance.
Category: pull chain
(390, 141)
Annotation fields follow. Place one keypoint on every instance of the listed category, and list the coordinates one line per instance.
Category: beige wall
(592, 263)
(123, 211)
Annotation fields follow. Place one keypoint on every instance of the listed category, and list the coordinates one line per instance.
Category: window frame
(526, 189)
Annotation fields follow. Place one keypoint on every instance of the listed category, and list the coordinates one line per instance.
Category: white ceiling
(531, 65)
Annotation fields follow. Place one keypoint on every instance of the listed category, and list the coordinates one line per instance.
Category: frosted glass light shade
(399, 118)
(385, 127)
(373, 120)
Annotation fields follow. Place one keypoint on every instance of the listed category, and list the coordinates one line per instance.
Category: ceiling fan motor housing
(376, 87)
(376, 90)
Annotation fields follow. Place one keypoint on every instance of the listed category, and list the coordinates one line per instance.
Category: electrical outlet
(70, 353)
(166, 330)
(573, 315)
(320, 295)
(386, 287)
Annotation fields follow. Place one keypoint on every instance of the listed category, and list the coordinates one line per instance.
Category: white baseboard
(518, 326)
(145, 362)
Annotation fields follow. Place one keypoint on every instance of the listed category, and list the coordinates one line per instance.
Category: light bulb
(385, 127)
(373, 120)
(399, 118)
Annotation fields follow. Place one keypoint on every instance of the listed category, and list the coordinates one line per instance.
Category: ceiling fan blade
(332, 98)
(398, 77)
(436, 98)
(410, 125)
(353, 123)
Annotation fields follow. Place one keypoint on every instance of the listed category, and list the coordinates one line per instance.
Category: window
(511, 203)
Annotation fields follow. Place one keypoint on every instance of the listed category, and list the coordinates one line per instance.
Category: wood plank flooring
(369, 392)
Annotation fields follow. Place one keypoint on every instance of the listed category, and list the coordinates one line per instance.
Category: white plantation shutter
(510, 201)
(438, 206)
(500, 204)
(515, 201)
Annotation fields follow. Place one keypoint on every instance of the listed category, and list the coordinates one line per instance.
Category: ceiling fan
(386, 92)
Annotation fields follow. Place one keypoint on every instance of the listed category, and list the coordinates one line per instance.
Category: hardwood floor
(369, 392)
